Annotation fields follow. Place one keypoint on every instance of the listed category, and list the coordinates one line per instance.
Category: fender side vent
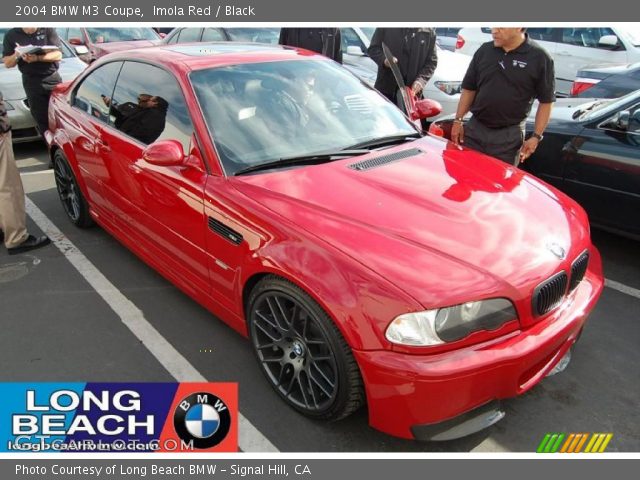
(384, 159)
(224, 231)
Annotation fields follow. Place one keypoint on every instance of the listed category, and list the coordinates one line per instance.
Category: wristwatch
(538, 136)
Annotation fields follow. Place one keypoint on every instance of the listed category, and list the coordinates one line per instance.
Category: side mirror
(426, 108)
(75, 41)
(165, 153)
(622, 119)
(609, 41)
(61, 87)
(355, 50)
(81, 49)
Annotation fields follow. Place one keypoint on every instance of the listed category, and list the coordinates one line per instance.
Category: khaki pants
(12, 215)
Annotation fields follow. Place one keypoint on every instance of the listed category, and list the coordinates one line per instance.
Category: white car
(571, 48)
(444, 86)
(22, 123)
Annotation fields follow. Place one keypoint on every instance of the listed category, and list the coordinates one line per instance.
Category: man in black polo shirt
(39, 72)
(504, 77)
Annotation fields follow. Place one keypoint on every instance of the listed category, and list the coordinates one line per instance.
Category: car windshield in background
(634, 36)
(605, 107)
(257, 35)
(261, 112)
(108, 35)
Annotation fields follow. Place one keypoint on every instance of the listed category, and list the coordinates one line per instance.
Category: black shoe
(31, 243)
(1, 236)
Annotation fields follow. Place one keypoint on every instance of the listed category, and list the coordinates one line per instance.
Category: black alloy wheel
(73, 202)
(301, 351)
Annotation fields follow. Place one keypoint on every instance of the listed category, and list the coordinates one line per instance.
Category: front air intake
(549, 294)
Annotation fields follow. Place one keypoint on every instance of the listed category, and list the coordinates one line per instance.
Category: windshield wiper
(302, 160)
(382, 141)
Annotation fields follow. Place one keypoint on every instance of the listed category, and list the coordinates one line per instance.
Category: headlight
(434, 327)
(450, 88)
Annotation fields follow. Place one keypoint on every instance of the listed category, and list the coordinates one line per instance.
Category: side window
(213, 35)
(148, 105)
(173, 38)
(447, 32)
(190, 35)
(544, 34)
(585, 37)
(350, 38)
(95, 91)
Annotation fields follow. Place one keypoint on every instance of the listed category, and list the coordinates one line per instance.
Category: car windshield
(608, 107)
(633, 36)
(368, 31)
(261, 112)
(66, 51)
(108, 35)
(258, 35)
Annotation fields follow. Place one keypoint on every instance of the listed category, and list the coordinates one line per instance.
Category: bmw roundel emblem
(202, 419)
(557, 250)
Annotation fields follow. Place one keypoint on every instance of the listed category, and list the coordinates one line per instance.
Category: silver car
(22, 123)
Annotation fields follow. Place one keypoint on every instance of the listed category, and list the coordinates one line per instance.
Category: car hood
(444, 224)
(11, 78)
(11, 83)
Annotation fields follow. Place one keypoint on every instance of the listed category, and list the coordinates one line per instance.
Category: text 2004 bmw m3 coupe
(365, 261)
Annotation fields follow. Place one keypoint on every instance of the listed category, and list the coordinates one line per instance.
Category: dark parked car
(606, 81)
(591, 151)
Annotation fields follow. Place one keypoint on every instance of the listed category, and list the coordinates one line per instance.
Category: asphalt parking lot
(59, 326)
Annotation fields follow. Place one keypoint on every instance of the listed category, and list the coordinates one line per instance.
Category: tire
(73, 202)
(301, 351)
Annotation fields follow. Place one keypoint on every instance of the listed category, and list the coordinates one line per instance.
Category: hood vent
(384, 159)
(224, 231)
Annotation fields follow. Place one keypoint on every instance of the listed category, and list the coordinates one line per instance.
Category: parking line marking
(249, 437)
(621, 287)
(37, 172)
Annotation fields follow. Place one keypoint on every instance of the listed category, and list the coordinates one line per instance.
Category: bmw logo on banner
(202, 418)
(119, 417)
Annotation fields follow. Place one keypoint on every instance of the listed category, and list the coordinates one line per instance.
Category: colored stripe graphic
(573, 442)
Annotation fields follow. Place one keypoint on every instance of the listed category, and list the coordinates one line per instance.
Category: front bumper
(409, 395)
(23, 126)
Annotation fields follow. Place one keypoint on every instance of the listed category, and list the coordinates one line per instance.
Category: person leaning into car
(39, 72)
(13, 230)
(414, 50)
(504, 77)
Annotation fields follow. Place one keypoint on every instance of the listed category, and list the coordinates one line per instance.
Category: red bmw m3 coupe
(368, 263)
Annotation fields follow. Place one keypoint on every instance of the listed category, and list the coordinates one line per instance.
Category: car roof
(199, 55)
